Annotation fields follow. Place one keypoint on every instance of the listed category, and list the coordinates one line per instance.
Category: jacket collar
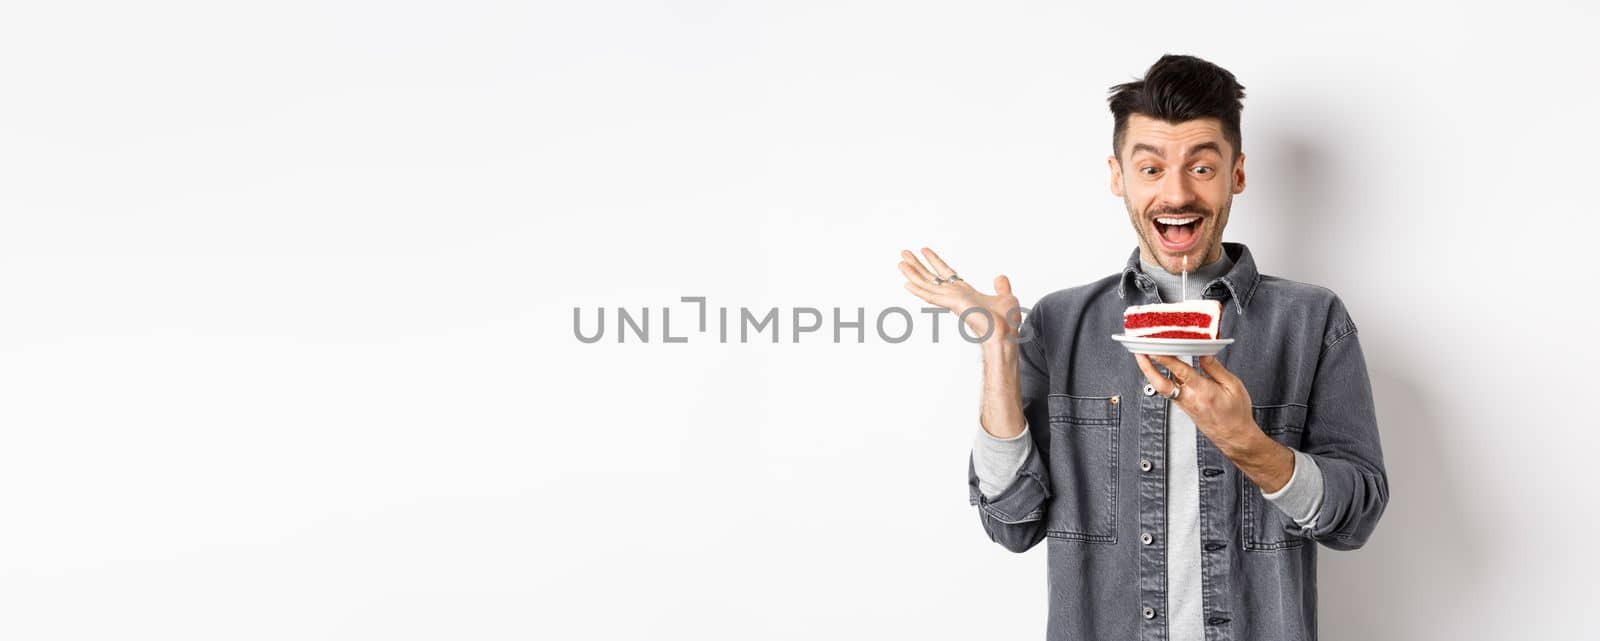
(1239, 283)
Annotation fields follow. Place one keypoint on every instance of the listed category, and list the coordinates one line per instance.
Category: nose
(1175, 190)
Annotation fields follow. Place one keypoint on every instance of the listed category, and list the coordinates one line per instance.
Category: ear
(1116, 176)
(1238, 174)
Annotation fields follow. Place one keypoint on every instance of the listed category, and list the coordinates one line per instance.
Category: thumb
(1002, 285)
(1215, 370)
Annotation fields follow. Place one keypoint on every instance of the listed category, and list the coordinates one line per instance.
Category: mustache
(1190, 208)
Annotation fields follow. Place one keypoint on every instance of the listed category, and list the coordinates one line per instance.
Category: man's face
(1182, 172)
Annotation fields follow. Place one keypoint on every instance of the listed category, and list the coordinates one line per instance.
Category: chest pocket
(1083, 467)
(1265, 527)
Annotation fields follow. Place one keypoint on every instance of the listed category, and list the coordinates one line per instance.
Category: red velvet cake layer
(1167, 319)
(1179, 334)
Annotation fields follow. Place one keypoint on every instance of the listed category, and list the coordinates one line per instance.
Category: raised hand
(936, 286)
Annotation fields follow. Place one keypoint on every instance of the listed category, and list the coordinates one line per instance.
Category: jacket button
(1146, 538)
(1145, 465)
(1149, 612)
(1149, 390)
(1116, 399)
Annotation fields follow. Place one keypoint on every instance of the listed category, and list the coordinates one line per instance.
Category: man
(1180, 500)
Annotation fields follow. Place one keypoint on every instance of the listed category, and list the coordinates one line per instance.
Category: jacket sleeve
(1341, 434)
(1015, 518)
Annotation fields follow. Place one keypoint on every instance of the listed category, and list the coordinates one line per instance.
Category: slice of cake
(1188, 319)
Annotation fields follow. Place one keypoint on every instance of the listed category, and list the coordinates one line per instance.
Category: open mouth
(1178, 233)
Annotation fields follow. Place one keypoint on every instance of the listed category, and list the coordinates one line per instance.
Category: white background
(286, 295)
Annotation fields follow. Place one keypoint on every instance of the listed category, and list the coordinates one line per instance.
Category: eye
(1203, 170)
(1149, 171)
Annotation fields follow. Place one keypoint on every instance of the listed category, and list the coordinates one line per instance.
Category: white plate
(1172, 346)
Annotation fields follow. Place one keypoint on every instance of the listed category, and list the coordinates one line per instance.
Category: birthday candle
(1183, 291)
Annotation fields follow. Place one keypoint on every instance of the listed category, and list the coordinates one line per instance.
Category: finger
(917, 274)
(1181, 371)
(939, 266)
(926, 294)
(1190, 378)
(916, 265)
(1002, 285)
(920, 288)
(911, 272)
(1159, 382)
(1217, 372)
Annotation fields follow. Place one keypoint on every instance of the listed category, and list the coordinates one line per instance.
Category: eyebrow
(1139, 146)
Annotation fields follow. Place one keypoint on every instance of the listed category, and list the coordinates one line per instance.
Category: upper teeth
(1177, 221)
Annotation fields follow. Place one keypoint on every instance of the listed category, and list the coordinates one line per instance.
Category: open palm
(958, 296)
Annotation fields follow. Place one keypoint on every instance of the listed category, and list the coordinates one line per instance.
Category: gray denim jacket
(1096, 478)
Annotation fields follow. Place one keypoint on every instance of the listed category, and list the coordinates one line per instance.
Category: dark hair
(1176, 89)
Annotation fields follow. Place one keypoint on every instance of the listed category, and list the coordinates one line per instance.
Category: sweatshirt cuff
(996, 460)
(1301, 497)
